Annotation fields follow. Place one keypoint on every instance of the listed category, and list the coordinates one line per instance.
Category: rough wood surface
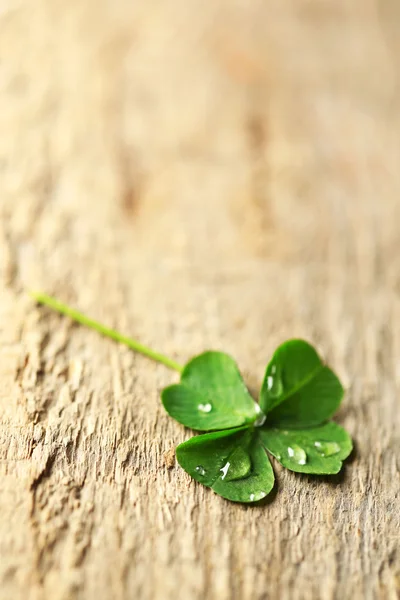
(202, 175)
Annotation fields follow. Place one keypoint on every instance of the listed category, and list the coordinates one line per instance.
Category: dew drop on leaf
(259, 422)
(297, 454)
(206, 408)
(274, 383)
(238, 467)
(257, 496)
(225, 470)
(327, 448)
(200, 470)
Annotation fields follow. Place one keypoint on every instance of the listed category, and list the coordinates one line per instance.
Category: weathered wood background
(201, 175)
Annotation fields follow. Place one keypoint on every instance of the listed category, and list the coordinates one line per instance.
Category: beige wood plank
(201, 175)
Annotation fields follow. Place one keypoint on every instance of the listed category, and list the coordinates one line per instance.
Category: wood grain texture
(200, 175)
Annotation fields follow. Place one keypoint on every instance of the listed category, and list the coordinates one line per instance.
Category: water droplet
(274, 382)
(278, 456)
(205, 407)
(257, 496)
(298, 454)
(225, 470)
(260, 421)
(261, 417)
(238, 467)
(327, 448)
(201, 470)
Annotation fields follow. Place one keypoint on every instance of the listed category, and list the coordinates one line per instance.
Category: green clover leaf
(317, 450)
(211, 395)
(298, 396)
(298, 389)
(232, 462)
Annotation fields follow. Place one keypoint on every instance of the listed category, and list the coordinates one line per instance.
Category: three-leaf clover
(299, 395)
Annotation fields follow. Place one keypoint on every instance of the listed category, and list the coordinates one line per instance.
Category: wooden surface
(202, 175)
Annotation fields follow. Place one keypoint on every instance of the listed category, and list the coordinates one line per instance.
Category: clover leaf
(211, 395)
(298, 396)
(298, 389)
(317, 450)
(232, 462)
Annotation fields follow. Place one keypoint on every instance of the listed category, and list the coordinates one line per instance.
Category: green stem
(111, 333)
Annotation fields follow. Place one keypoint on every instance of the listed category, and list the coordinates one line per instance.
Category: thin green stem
(111, 333)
